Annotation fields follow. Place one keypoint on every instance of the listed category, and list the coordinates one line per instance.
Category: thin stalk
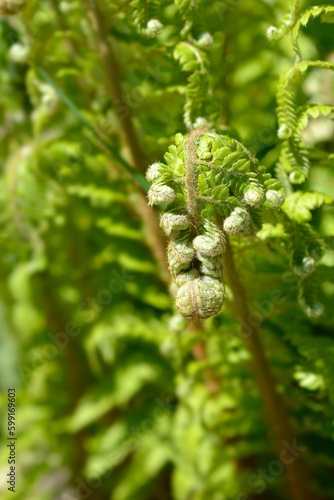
(199, 351)
(282, 431)
(115, 88)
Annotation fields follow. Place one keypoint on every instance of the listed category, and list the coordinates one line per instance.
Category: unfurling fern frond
(294, 158)
(274, 34)
(145, 16)
(193, 59)
(207, 174)
(188, 11)
(323, 10)
(308, 297)
(306, 247)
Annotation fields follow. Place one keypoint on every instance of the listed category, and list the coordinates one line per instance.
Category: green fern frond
(193, 59)
(308, 296)
(306, 247)
(315, 11)
(297, 205)
(275, 34)
(313, 111)
(294, 158)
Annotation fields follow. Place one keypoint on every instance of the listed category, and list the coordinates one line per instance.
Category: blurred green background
(112, 400)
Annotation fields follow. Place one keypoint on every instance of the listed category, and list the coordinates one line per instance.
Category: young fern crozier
(207, 174)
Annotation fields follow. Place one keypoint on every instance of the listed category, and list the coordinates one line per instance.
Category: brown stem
(112, 69)
(297, 472)
(199, 351)
(191, 179)
(75, 371)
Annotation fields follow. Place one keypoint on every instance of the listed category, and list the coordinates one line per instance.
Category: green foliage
(207, 175)
(146, 11)
(115, 398)
(298, 206)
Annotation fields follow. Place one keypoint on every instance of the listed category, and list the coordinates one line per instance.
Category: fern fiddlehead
(207, 174)
(144, 16)
(288, 22)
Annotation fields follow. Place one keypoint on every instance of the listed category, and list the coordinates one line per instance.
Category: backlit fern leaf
(306, 247)
(304, 19)
(275, 34)
(308, 296)
(193, 59)
(294, 158)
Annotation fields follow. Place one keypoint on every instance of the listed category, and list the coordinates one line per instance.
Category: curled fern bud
(160, 194)
(307, 267)
(19, 53)
(173, 224)
(210, 243)
(272, 33)
(180, 255)
(274, 198)
(314, 310)
(205, 41)
(187, 276)
(154, 172)
(296, 177)
(153, 28)
(200, 298)
(212, 267)
(10, 7)
(254, 196)
(236, 221)
(284, 132)
(199, 122)
(207, 245)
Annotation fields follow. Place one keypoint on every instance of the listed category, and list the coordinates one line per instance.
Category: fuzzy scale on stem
(190, 180)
